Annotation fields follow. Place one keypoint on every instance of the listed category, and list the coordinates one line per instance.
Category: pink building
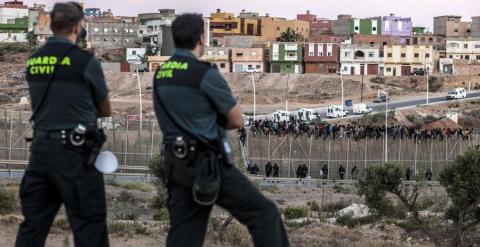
(248, 59)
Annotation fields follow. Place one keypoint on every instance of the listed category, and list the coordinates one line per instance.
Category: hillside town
(387, 45)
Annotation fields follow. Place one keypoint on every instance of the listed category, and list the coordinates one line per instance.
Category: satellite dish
(106, 162)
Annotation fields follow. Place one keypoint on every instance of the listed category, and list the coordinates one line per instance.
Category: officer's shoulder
(208, 65)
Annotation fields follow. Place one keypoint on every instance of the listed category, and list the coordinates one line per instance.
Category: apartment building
(341, 26)
(322, 58)
(376, 40)
(360, 60)
(155, 30)
(272, 28)
(286, 58)
(223, 23)
(318, 26)
(475, 30)
(367, 26)
(437, 41)
(248, 59)
(220, 56)
(401, 60)
(451, 26)
(397, 26)
(112, 32)
(463, 48)
(12, 10)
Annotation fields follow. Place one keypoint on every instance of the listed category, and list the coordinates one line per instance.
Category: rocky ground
(131, 220)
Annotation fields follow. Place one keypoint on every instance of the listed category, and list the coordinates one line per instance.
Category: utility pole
(470, 77)
(341, 80)
(361, 93)
(254, 99)
(286, 93)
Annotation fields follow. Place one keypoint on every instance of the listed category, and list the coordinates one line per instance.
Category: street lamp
(254, 97)
(140, 98)
(386, 125)
(426, 69)
(341, 80)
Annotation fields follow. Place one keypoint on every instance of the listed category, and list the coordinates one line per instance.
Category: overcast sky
(422, 11)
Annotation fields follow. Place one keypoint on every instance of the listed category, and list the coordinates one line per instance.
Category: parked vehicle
(418, 71)
(250, 70)
(381, 99)
(306, 115)
(361, 108)
(280, 116)
(457, 93)
(336, 111)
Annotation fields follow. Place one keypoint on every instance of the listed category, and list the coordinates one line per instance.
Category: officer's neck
(71, 37)
(197, 51)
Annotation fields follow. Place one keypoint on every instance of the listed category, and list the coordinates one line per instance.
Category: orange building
(271, 27)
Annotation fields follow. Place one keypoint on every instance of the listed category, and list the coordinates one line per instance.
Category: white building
(135, 55)
(356, 59)
(13, 37)
(463, 48)
(10, 12)
(152, 25)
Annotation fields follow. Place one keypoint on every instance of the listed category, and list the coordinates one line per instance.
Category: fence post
(268, 148)
(328, 161)
(399, 149)
(310, 157)
(416, 147)
(365, 158)
(290, 155)
(10, 145)
(348, 153)
(126, 142)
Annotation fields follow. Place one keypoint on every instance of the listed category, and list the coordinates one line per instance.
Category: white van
(306, 115)
(336, 111)
(280, 116)
(361, 108)
(457, 93)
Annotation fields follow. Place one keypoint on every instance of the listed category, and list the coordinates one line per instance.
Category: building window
(239, 54)
(467, 57)
(288, 66)
(370, 54)
(105, 30)
(423, 39)
(115, 30)
(389, 54)
(372, 44)
(95, 29)
(455, 30)
(477, 46)
(209, 52)
(439, 40)
(131, 30)
(389, 69)
(403, 55)
(134, 52)
(126, 41)
(221, 52)
(320, 53)
(222, 65)
(416, 55)
(465, 46)
(125, 30)
(258, 66)
(254, 53)
(278, 28)
(430, 40)
(478, 57)
(329, 54)
(105, 39)
(356, 28)
(374, 29)
(384, 43)
(347, 54)
(311, 54)
(450, 56)
(427, 55)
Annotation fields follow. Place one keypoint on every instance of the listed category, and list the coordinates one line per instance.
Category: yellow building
(402, 60)
(223, 24)
(272, 28)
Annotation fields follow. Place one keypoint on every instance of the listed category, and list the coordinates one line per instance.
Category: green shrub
(349, 221)
(378, 80)
(112, 182)
(161, 215)
(124, 212)
(123, 228)
(333, 207)
(294, 213)
(270, 188)
(8, 201)
(143, 187)
(126, 197)
(296, 225)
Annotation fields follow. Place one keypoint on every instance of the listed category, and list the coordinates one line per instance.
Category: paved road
(403, 104)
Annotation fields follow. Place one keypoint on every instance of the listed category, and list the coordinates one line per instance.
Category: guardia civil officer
(67, 90)
(193, 101)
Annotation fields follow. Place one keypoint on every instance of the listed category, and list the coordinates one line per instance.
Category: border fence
(290, 151)
(136, 144)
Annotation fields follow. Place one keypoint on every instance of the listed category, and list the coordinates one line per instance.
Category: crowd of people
(350, 131)
(302, 172)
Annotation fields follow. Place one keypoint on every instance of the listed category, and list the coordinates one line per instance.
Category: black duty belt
(51, 134)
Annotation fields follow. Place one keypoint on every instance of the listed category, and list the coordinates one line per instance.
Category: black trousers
(189, 221)
(56, 175)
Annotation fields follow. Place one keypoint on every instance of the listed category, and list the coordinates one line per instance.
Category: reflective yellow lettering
(66, 61)
(33, 70)
(184, 66)
(53, 60)
(38, 60)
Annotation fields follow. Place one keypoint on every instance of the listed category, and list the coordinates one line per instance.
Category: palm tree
(290, 36)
